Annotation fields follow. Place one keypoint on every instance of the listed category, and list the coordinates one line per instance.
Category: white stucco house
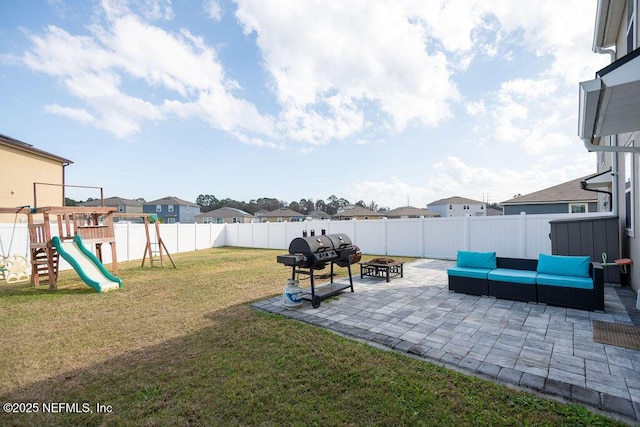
(458, 206)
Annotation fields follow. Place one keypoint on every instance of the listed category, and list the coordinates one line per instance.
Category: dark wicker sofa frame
(514, 291)
(469, 285)
(582, 299)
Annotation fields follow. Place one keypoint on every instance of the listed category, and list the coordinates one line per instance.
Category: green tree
(207, 202)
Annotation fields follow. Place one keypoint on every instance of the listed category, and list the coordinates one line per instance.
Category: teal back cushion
(477, 259)
(561, 265)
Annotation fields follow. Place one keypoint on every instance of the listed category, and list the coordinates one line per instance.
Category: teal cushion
(477, 259)
(564, 265)
(525, 277)
(565, 281)
(475, 273)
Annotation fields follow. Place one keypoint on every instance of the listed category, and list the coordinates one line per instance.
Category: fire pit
(381, 267)
(311, 253)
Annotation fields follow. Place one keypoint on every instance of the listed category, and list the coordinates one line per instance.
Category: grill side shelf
(317, 294)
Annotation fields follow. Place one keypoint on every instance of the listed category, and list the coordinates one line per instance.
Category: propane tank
(292, 294)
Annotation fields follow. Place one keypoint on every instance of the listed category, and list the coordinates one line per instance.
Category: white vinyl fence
(520, 236)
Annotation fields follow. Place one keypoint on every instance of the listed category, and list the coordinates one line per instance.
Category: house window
(171, 220)
(158, 208)
(578, 208)
(629, 198)
(631, 25)
(170, 208)
(279, 219)
(207, 220)
(120, 208)
(450, 207)
(236, 220)
(219, 220)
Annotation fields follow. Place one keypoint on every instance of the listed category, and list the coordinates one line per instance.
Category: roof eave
(609, 15)
(23, 146)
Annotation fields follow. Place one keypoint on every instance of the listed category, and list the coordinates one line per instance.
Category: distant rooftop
(569, 191)
(170, 200)
(455, 200)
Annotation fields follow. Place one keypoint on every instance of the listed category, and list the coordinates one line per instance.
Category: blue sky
(384, 101)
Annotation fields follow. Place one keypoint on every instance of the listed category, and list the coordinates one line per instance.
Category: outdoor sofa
(565, 281)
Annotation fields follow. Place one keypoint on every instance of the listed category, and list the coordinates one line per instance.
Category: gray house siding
(547, 208)
(187, 214)
(173, 213)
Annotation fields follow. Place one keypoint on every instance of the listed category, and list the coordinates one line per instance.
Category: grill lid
(311, 244)
(340, 241)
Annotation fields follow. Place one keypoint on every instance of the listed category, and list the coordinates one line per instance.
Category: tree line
(208, 202)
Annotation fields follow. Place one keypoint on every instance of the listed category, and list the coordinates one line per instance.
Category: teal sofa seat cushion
(524, 277)
(475, 273)
(565, 281)
(560, 265)
(484, 260)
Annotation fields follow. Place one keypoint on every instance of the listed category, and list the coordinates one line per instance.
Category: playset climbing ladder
(159, 245)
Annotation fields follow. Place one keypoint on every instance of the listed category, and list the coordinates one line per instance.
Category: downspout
(583, 185)
(613, 148)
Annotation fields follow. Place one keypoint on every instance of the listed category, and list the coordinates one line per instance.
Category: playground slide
(87, 265)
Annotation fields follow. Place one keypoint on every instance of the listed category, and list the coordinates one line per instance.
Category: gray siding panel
(550, 208)
(547, 208)
(590, 237)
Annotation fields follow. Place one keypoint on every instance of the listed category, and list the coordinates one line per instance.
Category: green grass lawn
(183, 347)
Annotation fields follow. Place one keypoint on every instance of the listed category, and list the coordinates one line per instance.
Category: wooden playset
(94, 226)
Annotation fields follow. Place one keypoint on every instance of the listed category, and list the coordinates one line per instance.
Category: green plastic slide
(86, 264)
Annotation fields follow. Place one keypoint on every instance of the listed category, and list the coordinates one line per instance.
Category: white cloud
(362, 51)
(149, 10)
(213, 10)
(78, 114)
(452, 176)
(338, 70)
(180, 73)
(476, 108)
(392, 194)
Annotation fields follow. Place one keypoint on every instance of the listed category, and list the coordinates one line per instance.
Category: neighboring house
(224, 215)
(357, 212)
(568, 197)
(609, 117)
(410, 212)
(458, 206)
(124, 206)
(494, 212)
(280, 215)
(172, 210)
(22, 165)
(318, 215)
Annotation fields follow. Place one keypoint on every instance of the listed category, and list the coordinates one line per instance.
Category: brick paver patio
(547, 349)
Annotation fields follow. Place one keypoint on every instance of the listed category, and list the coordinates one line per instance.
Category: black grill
(317, 251)
(310, 253)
